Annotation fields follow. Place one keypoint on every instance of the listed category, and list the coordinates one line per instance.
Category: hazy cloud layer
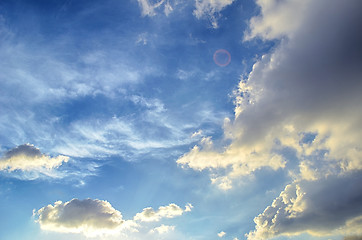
(162, 229)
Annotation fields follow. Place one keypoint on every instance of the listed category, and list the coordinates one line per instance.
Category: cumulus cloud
(90, 217)
(170, 211)
(93, 217)
(322, 207)
(210, 9)
(28, 158)
(308, 87)
(304, 96)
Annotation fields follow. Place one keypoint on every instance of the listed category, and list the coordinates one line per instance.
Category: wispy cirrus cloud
(149, 7)
(210, 9)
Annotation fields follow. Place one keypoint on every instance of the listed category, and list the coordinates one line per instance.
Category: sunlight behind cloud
(28, 158)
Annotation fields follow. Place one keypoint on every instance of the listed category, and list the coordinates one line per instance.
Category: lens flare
(222, 57)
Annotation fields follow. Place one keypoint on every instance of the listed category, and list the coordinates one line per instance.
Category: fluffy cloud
(310, 89)
(320, 207)
(94, 218)
(28, 158)
(90, 217)
(304, 96)
(277, 19)
(170, 211)
(210, 9)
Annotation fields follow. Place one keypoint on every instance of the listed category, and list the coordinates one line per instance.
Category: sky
(180, 119)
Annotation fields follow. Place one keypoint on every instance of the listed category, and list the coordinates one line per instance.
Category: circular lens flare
(222, 57)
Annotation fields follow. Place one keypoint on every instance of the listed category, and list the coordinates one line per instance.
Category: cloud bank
(321, 207)
(303, 96)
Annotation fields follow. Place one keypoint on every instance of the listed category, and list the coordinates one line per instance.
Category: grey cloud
(28, 158)
(311, 83)
(353, 238)
(25, 149)
(93, 217)
(90, 217)
(321, 207)
(316, 74)
(210, 9)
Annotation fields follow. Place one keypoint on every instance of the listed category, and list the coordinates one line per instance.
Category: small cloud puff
(28, 158)
(162, 229)
(150, 215)
(277, 19)
(221, 234)
(210, 9)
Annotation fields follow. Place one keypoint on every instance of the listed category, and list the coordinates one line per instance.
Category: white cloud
(221, 234)
(197, 134)
(210, 9)
(148, 8)
(321, 207)
(277, 19)
(170, 211)
(93, 217)
(302, 97)
(291, 93)
(142, 38)
(28, 158)
(168, 8)
(243, 160)
(309, 88)
(162, 229)
(188, 207)
(89, 217)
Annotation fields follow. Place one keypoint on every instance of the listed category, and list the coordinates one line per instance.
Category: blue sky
(117, 123)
